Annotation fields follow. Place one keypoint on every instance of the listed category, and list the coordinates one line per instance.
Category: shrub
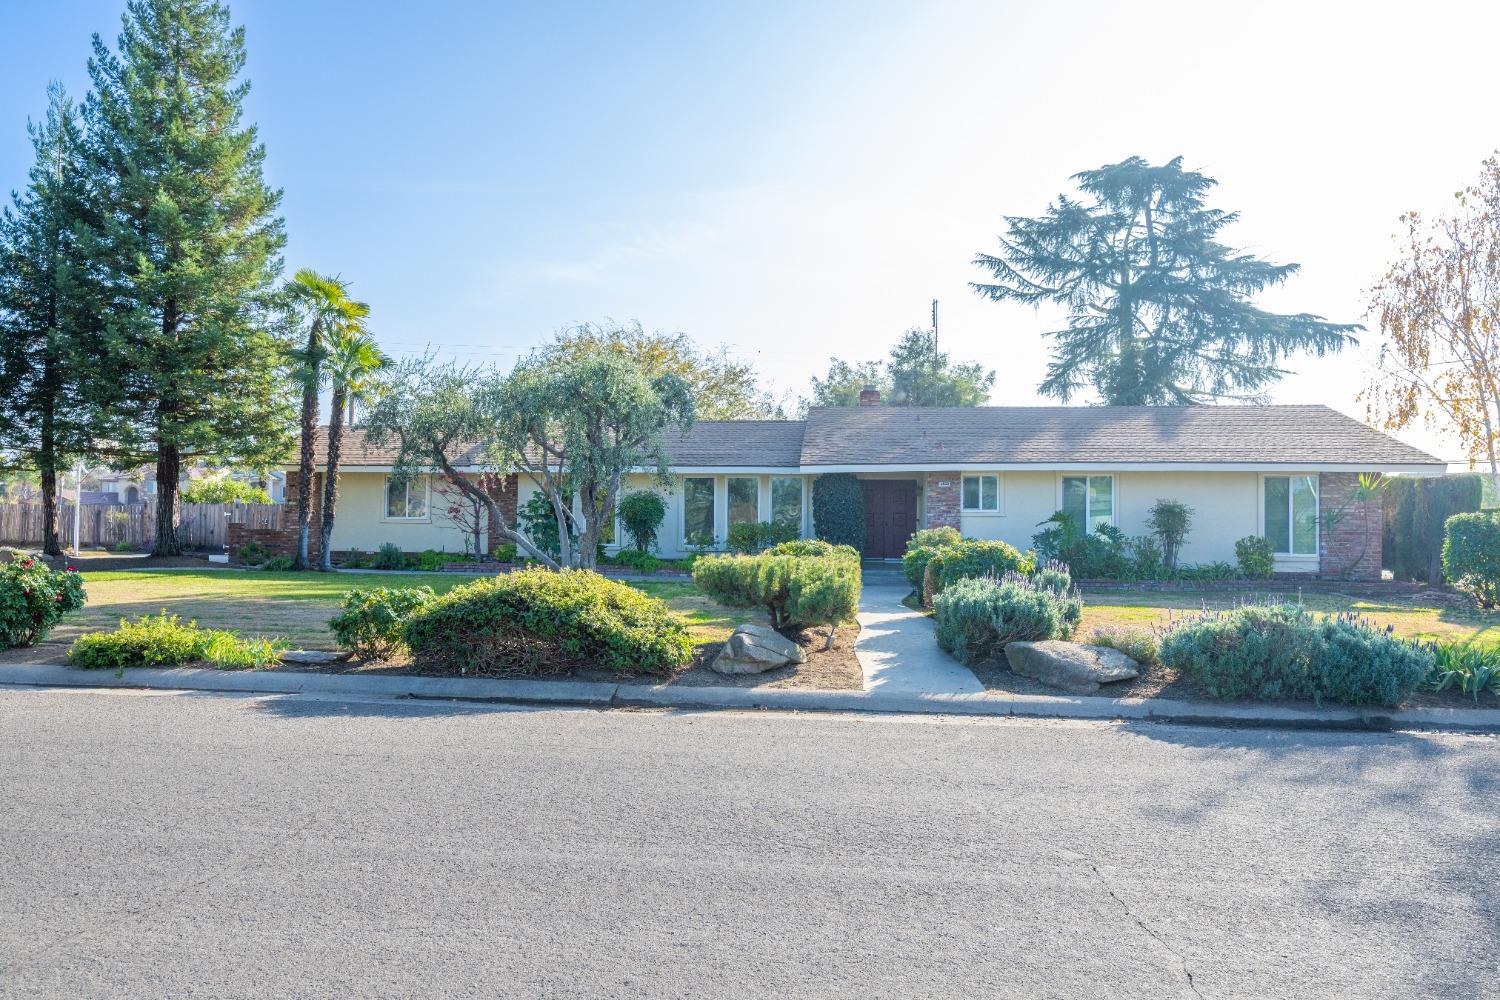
(838, 509)
(921, 547)
(253, 553)
(641, 562)
(370, 626)
(749, 537)
(1098, 554)
(1416, 511)
(389, 556)
(1471, 669)
(430, 561)
(505, 553)
(33, 599)
(970, 557)
(539, 522)
(1285, 652)
(222, 489)
(1137, 643)
(794, 590)
(641, 515)
(976, 617)
(1054, 576)
(814, 548)
(1168, 522)
(1471, 556)
(277, 564)
(536, 620)
(1256, 561)
(164, 641)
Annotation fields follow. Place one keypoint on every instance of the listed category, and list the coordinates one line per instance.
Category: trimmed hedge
(33, 599)
(795, 590)
(976, 617)
(1285, 652)
(1416, 513)
(971, 557)
(1471, 556)
(921, 547)
(536, 620)
(372, 622)
(838, 509)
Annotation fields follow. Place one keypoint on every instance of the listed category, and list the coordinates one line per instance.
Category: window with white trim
(1090, 500)
(743, 496)
(981, 494)
(406, 501)
(1291, 506)
(786, 501)
(698, 510)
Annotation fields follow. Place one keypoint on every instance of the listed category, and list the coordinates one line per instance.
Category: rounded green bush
(371, 623)
(1471, 556)
(813, 548)
(921, 547)
(794, 590)
(977, 616)
(33, 599)
(970, 557)
(536, 620)
(641, 515)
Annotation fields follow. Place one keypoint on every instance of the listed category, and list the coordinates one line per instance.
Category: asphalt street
(190, 845)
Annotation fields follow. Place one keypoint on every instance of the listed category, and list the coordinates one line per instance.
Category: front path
(896, 647)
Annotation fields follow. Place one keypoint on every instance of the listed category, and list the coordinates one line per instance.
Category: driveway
(161, 845)
(896, 648)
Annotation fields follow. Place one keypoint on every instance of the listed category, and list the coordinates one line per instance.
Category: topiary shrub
(1285, 652)
(164, 641)
(970, 557)
(794, 590)
(838, 509)
(1255, 558)
(641, 515)
(921, 547)
(813, 548)
(1471, 556)
(1169, 522)
(535, 620)
(976, 617)
(372, 621)
(33, 599)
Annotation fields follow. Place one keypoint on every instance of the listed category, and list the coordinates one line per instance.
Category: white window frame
(999, 507)
(385, 501)
(1088, 485)
(682, 511)
(1317, 486)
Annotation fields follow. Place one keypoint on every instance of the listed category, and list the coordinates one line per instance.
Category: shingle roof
(356, 449)
(1010, 435)
(1043, 435)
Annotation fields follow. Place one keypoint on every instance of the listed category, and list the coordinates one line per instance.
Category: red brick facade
(1353, 547)
(940, 495)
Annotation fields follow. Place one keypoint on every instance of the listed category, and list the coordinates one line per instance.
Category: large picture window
(1292, 515)
(1089, 499)
(981, 493)
(744, 499)
(698, 510)
(406, 501)
(786, 501)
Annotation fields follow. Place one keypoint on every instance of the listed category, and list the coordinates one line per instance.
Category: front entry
(890, 516)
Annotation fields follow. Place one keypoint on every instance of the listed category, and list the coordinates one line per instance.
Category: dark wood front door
(890, 516)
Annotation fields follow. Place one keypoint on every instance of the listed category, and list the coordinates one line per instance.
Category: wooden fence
(199, 525)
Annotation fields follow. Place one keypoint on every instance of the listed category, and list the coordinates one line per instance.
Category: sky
(799, 180)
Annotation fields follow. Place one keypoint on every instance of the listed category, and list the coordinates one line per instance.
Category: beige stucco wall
(360, 521)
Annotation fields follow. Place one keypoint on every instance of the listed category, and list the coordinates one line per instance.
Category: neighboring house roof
(939, 438)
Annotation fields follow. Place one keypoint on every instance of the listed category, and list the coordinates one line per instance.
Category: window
(1089, 499)
(1292, 515)
(698, 511)
(406, 501)
(786, 501)
(981, 493)
(744, 499)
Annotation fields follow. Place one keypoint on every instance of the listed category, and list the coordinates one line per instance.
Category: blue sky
(799, 180)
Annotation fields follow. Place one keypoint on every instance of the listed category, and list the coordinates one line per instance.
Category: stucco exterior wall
(361, 522)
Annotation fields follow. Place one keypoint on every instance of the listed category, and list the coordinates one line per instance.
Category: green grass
(297, 606)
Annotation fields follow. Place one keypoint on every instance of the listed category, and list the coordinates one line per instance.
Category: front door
(890, 516)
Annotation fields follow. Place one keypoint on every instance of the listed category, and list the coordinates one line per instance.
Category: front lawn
(297, 606)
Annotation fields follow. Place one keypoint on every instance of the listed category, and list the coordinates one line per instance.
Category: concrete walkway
(896, 647)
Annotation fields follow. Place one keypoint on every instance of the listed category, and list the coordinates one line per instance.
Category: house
(138, 485)
(991, 472)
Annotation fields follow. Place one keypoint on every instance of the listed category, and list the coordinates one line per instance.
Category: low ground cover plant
(1137, 643)
(33, 599)
(534, 621)
(1275, 652)
(1471, 556)
(166, 641)
(803, 583)
(372, 623)
(976, 617)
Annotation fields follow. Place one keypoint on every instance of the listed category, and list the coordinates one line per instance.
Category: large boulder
(754, 649)
(1071, 666)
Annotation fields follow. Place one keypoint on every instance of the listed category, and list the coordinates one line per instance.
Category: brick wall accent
(283, 540)
(507, 501)
(1354, 548)
(940, 496)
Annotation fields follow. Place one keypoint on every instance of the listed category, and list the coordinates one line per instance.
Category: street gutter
(677, 696)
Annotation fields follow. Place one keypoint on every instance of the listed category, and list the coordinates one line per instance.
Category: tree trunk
(51, 545)
(331, 480)
(309, 435)
(168, 469)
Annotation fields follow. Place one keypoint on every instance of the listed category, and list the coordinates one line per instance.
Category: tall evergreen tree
(187, 249)
(44, 319)
(1159, 310)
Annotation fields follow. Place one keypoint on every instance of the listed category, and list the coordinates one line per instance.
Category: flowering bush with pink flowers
(33, 599)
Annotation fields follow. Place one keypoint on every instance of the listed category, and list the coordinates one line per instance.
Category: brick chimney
(869, 396)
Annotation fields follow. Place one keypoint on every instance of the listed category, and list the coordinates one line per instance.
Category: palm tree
(323, 304)
(353, 361)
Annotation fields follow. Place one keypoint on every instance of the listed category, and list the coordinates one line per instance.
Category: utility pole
(934, 323)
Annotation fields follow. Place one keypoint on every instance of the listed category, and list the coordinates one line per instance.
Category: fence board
(199, 525)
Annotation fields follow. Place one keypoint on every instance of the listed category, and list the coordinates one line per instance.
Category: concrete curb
(607, 695)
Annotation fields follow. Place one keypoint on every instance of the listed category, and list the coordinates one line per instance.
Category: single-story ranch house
(991, 472)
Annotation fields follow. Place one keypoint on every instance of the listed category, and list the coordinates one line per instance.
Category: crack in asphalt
(1104, 884)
